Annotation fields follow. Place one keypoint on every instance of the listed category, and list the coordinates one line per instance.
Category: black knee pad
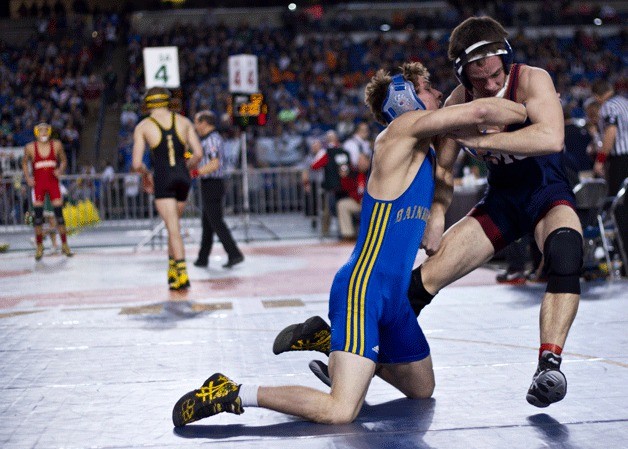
(59, 215)
(418, 296)
(39, 216)
(563, 261)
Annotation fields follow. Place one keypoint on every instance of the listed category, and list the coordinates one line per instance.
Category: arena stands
(314, 80)
(313, 64)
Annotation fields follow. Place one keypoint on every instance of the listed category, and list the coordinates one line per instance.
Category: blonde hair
(377, 89)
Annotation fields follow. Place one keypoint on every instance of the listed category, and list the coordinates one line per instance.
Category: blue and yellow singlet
(369, 308)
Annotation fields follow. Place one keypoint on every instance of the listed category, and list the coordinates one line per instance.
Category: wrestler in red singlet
(47, 162)
(45, 179)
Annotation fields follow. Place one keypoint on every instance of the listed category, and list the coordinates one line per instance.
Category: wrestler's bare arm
(26, 162)
(483, 111)
(446, 154)
(139, 146)
(546, 133)
(61, 157)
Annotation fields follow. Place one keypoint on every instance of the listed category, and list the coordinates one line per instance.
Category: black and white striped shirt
(614, 112)
(212, 148)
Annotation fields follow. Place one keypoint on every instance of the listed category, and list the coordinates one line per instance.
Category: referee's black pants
(213, 192)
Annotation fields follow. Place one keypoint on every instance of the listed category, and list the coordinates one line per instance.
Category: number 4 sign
(243, 74)
(161, 67)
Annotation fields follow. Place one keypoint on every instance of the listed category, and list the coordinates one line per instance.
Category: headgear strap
(401, 97)
(42, 125)
(506, 54)
(156, 100)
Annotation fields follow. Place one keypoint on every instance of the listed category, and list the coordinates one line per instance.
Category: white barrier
(120, 201)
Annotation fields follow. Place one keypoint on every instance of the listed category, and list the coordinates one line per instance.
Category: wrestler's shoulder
(457, 96)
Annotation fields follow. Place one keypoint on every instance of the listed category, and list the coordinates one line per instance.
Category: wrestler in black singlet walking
(172, 178)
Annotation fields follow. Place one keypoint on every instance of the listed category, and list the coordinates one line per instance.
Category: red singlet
(44, 176)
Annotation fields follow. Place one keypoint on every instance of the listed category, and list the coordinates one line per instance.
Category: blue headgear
(506, 54)
(401, 97)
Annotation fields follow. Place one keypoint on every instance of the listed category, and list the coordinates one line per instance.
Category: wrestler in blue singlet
(368, 307)
(521, 190)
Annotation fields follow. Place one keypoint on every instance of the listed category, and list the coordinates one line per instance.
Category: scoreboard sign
(161, 67)
(243, 74)
(248, 109)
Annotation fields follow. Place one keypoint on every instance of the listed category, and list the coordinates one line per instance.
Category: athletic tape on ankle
(551, 348)
(248, 395)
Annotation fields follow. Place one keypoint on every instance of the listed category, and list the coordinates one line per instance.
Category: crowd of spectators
(435, 17)
(314, 82)
(52, 78)
(312, 69)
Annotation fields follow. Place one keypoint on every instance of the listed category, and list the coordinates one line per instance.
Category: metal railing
(120, 200)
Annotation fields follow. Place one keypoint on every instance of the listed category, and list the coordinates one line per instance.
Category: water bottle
(616, 265)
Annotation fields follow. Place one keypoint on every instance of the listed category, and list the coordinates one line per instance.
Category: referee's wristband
(601, 157)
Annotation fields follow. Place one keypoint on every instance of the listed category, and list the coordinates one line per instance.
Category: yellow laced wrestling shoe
(184, 279)
(180, 282)
(172, 274)
(39, 251)
(65, 249)
(312, 335)
(218, 394)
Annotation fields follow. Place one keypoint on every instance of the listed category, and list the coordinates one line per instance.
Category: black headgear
(401, 97)
(464, 58)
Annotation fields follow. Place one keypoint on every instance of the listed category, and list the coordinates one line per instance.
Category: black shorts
(507, 214)
(173, 185)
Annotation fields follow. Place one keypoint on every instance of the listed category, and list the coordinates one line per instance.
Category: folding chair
(591, 195)
(609, 228)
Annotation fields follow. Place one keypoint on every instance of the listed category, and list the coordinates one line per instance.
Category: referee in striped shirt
(612, 157)
(213, 191)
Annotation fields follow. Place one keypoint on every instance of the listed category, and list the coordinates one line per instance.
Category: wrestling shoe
(549, 384)
(39, 251)
(182, 280)
(312, 335)
(172, 271)
(511, 277)
(65, 249)
(320, 370)
(218, 394)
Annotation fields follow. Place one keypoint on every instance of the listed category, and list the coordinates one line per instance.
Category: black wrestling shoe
(218, 394)
(320, 370)
(312, 335)
(549, 384)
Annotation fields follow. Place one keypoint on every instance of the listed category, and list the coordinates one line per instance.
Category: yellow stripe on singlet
(356, 294)
(367, 243)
